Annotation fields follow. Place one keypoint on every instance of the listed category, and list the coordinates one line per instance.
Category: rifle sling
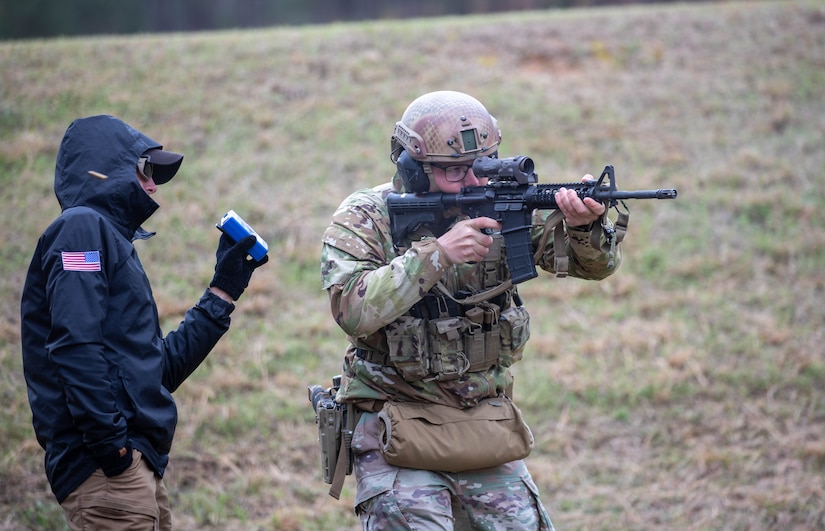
(478, 297)
(554, 221)
(613, 235)
(621, 224)
(562, 261)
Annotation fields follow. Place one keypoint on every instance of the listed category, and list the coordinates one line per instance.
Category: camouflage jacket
(371, 284)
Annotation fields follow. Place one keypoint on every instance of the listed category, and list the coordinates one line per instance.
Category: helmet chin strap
(428, 170)
(395, 150)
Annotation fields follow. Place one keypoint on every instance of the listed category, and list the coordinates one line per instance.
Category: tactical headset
(415, 179)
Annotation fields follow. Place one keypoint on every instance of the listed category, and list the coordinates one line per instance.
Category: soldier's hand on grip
(467, 240)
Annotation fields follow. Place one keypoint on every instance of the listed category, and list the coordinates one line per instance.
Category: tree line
(54, 18)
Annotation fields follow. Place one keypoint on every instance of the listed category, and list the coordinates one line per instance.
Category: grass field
(684, 392)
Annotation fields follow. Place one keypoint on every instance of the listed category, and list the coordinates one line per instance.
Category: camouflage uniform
(371, 285)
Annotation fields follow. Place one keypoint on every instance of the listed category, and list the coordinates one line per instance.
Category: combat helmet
(441, 127)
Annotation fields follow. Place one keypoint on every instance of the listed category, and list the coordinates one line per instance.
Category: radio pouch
(442, 438)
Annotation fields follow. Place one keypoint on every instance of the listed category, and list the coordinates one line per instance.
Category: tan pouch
(442, 438)
(408, 344)
(515, 331)
(446, 336)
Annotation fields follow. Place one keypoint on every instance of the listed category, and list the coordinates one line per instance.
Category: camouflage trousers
(390, 498)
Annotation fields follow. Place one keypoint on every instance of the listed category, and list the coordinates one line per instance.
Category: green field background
(684, 392)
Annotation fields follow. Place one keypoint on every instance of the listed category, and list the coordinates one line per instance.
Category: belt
(372, 356)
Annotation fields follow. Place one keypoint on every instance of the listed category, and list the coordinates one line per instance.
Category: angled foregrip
(515, 229)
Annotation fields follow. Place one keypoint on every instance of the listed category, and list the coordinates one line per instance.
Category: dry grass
(682, 393)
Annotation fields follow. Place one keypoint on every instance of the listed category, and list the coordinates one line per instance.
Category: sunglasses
(145, 168)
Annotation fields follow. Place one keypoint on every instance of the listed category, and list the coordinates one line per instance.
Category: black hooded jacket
(99, 372)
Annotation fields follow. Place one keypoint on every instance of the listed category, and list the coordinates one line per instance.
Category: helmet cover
(446, 126)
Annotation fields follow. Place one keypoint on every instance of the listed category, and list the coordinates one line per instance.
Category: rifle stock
(510, 199)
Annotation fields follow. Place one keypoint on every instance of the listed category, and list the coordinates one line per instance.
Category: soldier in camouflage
(375, 288)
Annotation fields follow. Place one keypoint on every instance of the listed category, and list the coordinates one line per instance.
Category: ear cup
(412, 173)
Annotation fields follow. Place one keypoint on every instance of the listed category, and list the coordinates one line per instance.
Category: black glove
(114, 464)
(234, 267)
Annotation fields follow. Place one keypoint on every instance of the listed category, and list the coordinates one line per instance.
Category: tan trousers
(134, 500)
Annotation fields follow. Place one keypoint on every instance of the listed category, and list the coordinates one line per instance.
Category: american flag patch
(81, 261)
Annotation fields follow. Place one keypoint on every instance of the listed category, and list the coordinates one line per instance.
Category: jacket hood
(96, 167)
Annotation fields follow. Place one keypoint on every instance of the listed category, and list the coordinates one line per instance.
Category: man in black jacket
(100, 373)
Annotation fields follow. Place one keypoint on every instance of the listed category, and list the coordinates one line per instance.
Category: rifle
(510, 198)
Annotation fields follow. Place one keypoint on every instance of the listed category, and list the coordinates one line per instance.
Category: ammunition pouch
(409, 345)
(515, 331)
(446, 347)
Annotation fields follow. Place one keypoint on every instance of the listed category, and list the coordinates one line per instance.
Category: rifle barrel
(664, 193)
